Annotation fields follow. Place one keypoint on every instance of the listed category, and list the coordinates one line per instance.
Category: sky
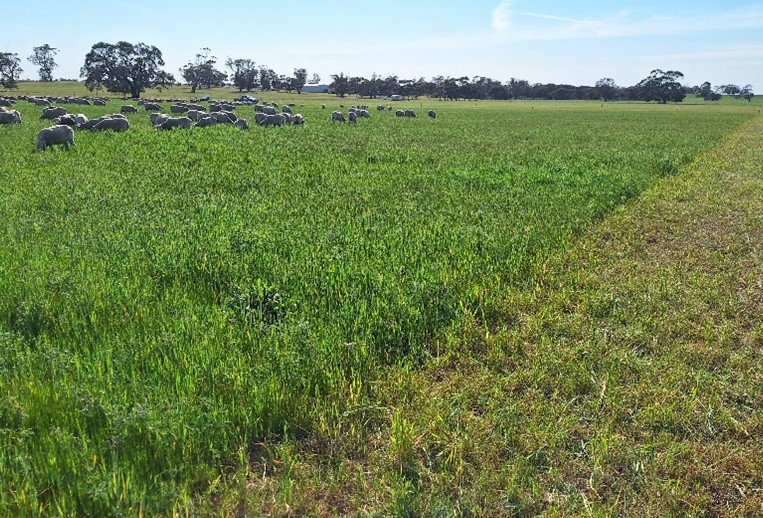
(543, 41)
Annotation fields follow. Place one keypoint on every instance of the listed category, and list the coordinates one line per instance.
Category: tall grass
(170, 299)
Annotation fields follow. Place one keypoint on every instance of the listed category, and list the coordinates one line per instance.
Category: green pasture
(171, 300)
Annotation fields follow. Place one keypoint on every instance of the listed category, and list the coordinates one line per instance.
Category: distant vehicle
(396, 97)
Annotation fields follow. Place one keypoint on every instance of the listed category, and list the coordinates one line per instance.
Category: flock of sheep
(191, 115)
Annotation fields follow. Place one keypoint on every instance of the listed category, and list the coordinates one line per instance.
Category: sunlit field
(171, 299)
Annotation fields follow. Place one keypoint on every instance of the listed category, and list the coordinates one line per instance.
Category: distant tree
(518, 88)
(747, 93)
(202, 73)
(44, 57)
(244, 73)
(300, 78)
(732, 90)
(267, 78)
(340, 84)
(705, 90)
(10, 69)
(661, 86)
(606, 88)
(315, 78)
(125, 68)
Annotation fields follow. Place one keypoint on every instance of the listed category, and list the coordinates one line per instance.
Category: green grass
(171, 301)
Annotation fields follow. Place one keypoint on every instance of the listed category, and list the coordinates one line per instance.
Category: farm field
(171, 301)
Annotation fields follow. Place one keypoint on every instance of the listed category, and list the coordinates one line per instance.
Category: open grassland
(172, 302)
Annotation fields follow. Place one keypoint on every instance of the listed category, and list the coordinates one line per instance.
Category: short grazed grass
(175, 303)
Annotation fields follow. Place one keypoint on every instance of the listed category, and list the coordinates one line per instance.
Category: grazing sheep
(259, 118)
(352, 117)
(363, 113)
(6, 103)
(337, 116)
(66, 120)
(128, 108)
(158, 118)
(61, 135)
(195, 115)
(399, 113)
(113, 123)
(152, 107)
(410, 113)
(269, 110)
(10, 117)
(323, 106)
(432, 114)
(81, 119)
(224, 117)
(206, 121)
(51, 113)
(298, 119)
(286, 109)
(175, 122)
(273, 120)
(241, 124)
(286, 117)
(42, 102)
(258, 108)
(178, 108)
(99, 102)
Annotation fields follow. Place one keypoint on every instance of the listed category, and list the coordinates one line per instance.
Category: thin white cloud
(501, 17)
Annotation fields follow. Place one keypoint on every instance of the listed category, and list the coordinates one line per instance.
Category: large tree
(10, 69)
(125, 68)
(268, 78)
(202, 73)
(44, 57)
(300, 78)
(244, 73)
(661, 86)
(606, 88)
(340, 84)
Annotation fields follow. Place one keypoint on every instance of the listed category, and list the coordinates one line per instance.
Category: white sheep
(337, 116)
(241, 124)
(59, 134)
(298, 119)
(352, 117)
(10, 117)
(205, 121)
(175, 122)
(128, 108)
(112, 123)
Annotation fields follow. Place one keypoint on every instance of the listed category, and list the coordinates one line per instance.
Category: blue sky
(561, 41)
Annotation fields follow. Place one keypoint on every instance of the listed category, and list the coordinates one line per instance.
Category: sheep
(128, 108)
(323, 106)
(152, 107)
(178, 108)
(286, 109)
(258, 108)
(175, 122)
(195, 115)
(269, 110)
(259, 117)
(286, 117)
(99, 102)
(51, 113)
(81, 119)
(60, 134)
(10, 117)
(432, 114)
(224, 117)
(298, 119)
(41, 102)
(6, 102)
(206, 121)
(66, 120)
(337, 116)
(241, 124)
(112, 123)
(273, 120)
(399, 113)
(158, 118)
(352, 117)
(410, 113)
(363, 113)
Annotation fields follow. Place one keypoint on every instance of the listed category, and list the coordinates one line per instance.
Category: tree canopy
(44, 57)
(244, 73)
(10, 69)
(661, 86)
(125, 68)
(202, 73)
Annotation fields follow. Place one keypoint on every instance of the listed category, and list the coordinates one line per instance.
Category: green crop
(169, 299)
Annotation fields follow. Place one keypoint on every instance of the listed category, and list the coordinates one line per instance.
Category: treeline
(131, 68)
